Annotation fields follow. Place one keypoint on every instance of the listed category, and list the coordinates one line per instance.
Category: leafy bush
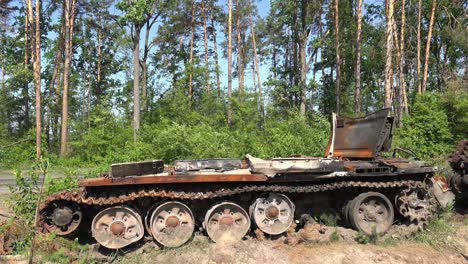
(426, 130)
(24, 196)
(68, 182)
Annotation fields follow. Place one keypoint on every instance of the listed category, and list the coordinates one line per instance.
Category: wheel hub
(118, 228)
(62, 216)
(370, 214)
(226, 221)
(272, 212)
(172, 221)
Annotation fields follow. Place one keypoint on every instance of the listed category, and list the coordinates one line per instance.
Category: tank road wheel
(273, 214)
(61, 218)
(226, 222)
(172, 224)
(371, 212)
(117, 227)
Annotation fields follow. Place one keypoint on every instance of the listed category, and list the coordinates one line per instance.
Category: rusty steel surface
(82, 197)
(361, 137)
(152, 179)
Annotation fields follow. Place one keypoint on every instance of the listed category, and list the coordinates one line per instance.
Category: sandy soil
(316, 249)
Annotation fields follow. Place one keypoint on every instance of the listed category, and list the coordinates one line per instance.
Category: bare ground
(316, 248)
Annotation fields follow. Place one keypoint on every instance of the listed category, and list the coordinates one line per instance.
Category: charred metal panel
(137, 168)
(294, 165)
(207, 164)
(361, 137)
(171, 179)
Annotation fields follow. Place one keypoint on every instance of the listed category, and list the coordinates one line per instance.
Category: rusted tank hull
(228, 198)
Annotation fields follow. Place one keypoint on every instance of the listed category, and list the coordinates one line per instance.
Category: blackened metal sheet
(361, 137)
(137, 168)
(206, 164)
(154, 179)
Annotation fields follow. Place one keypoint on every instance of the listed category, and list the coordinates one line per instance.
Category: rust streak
(133, 180)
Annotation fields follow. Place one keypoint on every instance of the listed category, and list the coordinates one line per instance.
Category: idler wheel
(273, 214)
(117, 227)
(371, 212)
(226, 222)
(172, 224)
(61, 218)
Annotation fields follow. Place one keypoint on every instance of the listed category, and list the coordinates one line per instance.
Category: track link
(82, 197)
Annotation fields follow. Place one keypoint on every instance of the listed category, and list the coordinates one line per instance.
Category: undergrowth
(438, 231)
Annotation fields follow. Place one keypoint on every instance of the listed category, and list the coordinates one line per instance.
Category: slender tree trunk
(205, 43)
(388, 63)
(257, 70)
(2, 58)
(192, 40)
(398, 104)
(28, 25)
(136, 82)
(229, 110)
(404, 101)
(428, 47)
(338, 60)
(322, 66)
(54, 105)
(303, 84)
(58, 58)
(357, 92)
(275, 62)
(69, 21)
(303, 38)
(240, 51)
(37, 77)
(144, 68)
(418, 48)
(215, 47)
(99, 57)
(254, 76)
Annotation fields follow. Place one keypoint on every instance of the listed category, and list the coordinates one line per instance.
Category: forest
(93, 82)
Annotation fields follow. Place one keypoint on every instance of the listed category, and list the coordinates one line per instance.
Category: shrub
(426, 130)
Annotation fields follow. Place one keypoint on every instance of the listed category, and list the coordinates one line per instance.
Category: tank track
(82, 197)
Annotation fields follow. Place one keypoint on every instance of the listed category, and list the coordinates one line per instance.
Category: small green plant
(368, 239)
(327, 219)
(335, 236)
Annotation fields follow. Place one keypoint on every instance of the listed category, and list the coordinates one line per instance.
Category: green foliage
(368, 239)
(437, 232)
(335, 236)
(68, 182)
(426, 130)
(24, 196)
(136, 11)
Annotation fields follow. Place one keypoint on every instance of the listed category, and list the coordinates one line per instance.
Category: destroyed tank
(229, 199)
(458, 180)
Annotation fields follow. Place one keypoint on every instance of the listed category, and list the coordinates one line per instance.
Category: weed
(436, 232)
(335, 236)
(327, 219)
(368, 239)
